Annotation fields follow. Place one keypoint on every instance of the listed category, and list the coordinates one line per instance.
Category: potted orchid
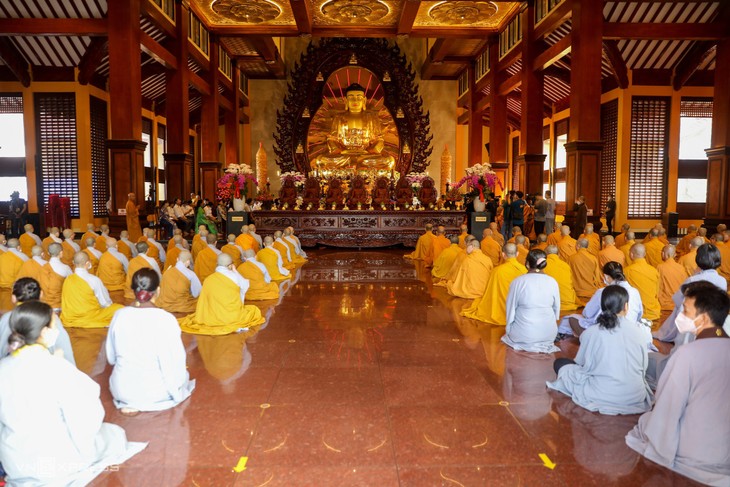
(295, 176)
(415, 179)
(480, 181)
(232, 187)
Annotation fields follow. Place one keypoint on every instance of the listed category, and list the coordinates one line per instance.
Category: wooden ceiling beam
(558, 73)
(15, 62)
(454, 32)
(157, 52)
(408, 16)
(650, 31)
(302, 15)
(434, 59)
(552, 54)
(199, 84)
(152, 12)
(53, 27)
(620, 71)
(554, 19)
(96, 51)
(508, 85)
(691, 61)
(267, 48)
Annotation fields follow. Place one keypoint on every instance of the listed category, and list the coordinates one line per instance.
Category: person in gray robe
(688, 430)
(608, 373)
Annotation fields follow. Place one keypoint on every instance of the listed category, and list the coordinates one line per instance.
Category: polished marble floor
(366, 375)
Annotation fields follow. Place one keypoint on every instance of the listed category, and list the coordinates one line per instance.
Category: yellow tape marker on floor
(546, 461)
(241, 465)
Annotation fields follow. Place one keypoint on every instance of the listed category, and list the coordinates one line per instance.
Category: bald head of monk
(13, 243)
(177, 240)
(638, 251)
(252, 228)
(702, 232)
(441, 230)
(244, 230)
(565, 230)
(721, 228)
(464, 229)
(90, 241)
(668, 252)
(224, 260)
(551, 250)
(111, 243)
(581, 243)
(696, 242)
(3, 240)
(104, 229)
(691, 228)
(662, 233)
(55, 232)
(202, 227)
(268, 241)
(177, 231)
(186, 258)
(558, 226)
(520, 240)
(81, 259)
(124, 234)
(231, 238)
(509, 250)
(630, 236)
(203, 234)
(454, 240)
(249, 254)
(287, 232)
(55, 249)
(487, 232)
(277, 234)
(718, 238)
(28, 228)
(211, 239)
(142, 247)
(608, 240)
(625, 227)
(90, 227)
(429, 227)
(68, 234)
(516, 231)
(472, 245)
(589, 229)
(542, 238)
(654, 233)
(36, 251)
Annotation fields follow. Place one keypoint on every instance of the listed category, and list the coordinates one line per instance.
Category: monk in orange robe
(497, 235)
(626, 248)
(233, 250)
(587, 275)
(85, 302)
(33, 266)
(90, 233)
(443, 263)
(424, 247)
(471, 279)
(69, 247)
(621, 237)
(522, 251)
(94, 255)
(133, 226)
(463, 236)
(541, 242)
(609, 253)
(125, 246)
(719, 241)
(246, 241)
(199, 242)
(207, 259)
(490, 247)
(440, 243)
(689, 260)
(100, 243)
(671, 277)
(173, 253)
(28, 240)
(142, 261)
(559, 270)
(53, 274)
(557, 236)
(113, 266)
(654, 247)
(566, 247)
(180, 286)
(594, 241)
(260, 285)
(54, 236)
(10, 264)
(645, 278)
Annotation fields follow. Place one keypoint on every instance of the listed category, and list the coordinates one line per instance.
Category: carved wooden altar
(357, 229)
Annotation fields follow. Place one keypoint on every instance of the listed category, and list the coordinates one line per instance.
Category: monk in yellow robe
(557, 236)
(654, 248)
(491, 308)
(126, 246)
(620, 239)
(522, 251)
(89, 234)
(207, 259)
(142, 261)
(260, 285)
(54, 236)
(298, 256)
(245, 240)
(689, 260)
(516, 232)
(471, 279)
(94, 255)
(221, 307)
(683, 245)
(424, 247)
(541, 242)
(133, 226)
(283, 250)
(28, 240)
(702, 233)
(719, 241)
(199, 242)
(156, 250)
(10, 264)
(257, 237)
(445, 260)
(497, 235)
(559, 270)
(566, 247)
(180, 286)
(173, 253)
(100, 243)
(233, 250)
(587, 275)
(32, 267)
(490, 247)
(440, 243)
(609, 253)
(69, 247)
(172, 242)
(272, 261)
(463, 235)
(594, 241)
(52, 276)
(626, 248)
(113, 267)
(3, 244)
(645, 278)
(671, 277)
(85, 302)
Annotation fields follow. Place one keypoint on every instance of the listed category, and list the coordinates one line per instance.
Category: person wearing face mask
(51, 418)
(533, 308)
(180, 286)
(221, 307)
(607, 375)
(473, 274)
(149, 374)
(85, 302)
(688, 430)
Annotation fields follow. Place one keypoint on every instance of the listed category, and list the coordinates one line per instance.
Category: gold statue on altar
(355, 141)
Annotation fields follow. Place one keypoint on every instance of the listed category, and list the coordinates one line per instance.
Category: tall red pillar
(210, 166)
(475, 121)
(232, 121)
(497, 114)
(717, 208)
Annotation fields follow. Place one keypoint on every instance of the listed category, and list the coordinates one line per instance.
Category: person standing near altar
(133, 226)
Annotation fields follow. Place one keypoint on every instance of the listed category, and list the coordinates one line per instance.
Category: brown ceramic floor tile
(328, 387)
(437, 386)
(424, 353)
(297, 476)
(448, 475)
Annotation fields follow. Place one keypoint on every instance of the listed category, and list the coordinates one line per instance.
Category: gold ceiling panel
(356, 12)
(465, 13)
(245, 12)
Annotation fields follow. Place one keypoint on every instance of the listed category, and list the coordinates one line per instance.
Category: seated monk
(171, 243)
(32, 267)
(644, 278)
(10, 264)
(517, 231)
(587, 276)
(100, 243)
(174, 252)
(683, 245)
(718, 240)
(358, 194)
(427, 194)
(256, 236)
(490, 247)
(424, 247)
(496, 234)
(566, 247)
(126, 246)
(334, 193)
(233, 250)
(620, 239)
(464, 235)
(594, 241)
(541, 242)
(221, 309)
(443, 263)
(559, 270)
(557, 235)
(610, 253)
(471, 279)
(247, 241)
(671, 277)
(491, 307)
(52, 276)
(403, 192)
(522, 251)
(272, 260)
(180, 287)
(90, 233)
(3, 244)
(200, 241)
(156, 250)
(113, 267)
(207, 259)
(381, 192)
(85, 302)
(311, 192)
(94, 255)
(53, 237)
(297, 255)
(260, 285)
(288, 193)
(69, 247)
(283, 250)
(630, 240)
(654, 247)
(143, 260)
(440, 243)
(689, 260)
(29, 239)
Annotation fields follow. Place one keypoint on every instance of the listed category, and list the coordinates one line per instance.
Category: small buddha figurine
(334, 194)
(403, 192)
(356, 138)
(381, 193)
(358, 194)
(288, 193)
(427, 194)
(311, 192)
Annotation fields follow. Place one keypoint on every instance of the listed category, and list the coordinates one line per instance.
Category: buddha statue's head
(356, 99)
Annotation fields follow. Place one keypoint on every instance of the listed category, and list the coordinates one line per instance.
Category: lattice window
(58, 159)
(648, 165)
(11, 103)
(696, 107)
(609, 136)
(99, 159)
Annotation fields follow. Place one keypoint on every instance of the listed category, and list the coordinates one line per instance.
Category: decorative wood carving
(378, 55)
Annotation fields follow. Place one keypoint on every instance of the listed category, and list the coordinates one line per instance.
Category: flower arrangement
(264, 195)
(233, 183)
(295, 176)
(416, 179)
(481, 179)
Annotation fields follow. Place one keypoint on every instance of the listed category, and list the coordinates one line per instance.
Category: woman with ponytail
(51, 418)
(608, 373)
(145, 347)
(533, 308)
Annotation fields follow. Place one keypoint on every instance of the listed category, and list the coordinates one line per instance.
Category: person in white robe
(688, 430)
(26, 289)
(533, 308)
(144, 346)
(708, 261)
(608, 373)
(51, 418)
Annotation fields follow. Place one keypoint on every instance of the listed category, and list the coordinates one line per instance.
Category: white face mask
(685, 324)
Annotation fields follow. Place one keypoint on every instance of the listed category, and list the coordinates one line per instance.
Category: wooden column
(584, 136)
(497, 116)
(179, 159)
(232, 121)
(126, 149)
(209, 166)
(531, 159)
(475, 121)
(717, 208)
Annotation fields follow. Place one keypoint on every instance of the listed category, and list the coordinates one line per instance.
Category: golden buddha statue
(355, 140)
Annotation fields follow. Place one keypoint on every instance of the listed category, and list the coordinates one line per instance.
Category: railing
(510, 36)
(225, 65)
(544, 7)
(167, 7)
(481, 67)
(198, 33)
(463, 82)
